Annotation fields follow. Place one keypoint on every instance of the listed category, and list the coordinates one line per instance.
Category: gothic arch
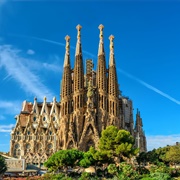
(38, 147)
(89, 143)
(27, 148)
(17, 151)
(70, 145)
(49, 148)
(89, 130)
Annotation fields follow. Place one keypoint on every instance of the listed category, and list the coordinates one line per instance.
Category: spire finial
(78, 27)
(101, 48)
(111, 38)
(66, 58)
(111, 46)
(78, 45)
(45, 98)
(67, 38)
(101, 27)
(54, 99)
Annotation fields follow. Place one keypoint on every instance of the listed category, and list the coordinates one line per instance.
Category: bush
(87, 176)
(160, 176)
(59, 176)
(142, 170)
(127, 172)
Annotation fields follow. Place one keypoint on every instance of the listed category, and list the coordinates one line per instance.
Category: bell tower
(113, 91)
(101, 83)
(78, 87)
(66, 97)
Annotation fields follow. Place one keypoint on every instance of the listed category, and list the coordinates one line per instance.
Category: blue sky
(147, 52)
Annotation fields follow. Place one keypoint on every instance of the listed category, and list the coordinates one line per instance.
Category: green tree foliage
(59, 176)
(112, 169)
(62, 159)
(158, 176)
(153, 157)
(100, 157)
(87, 159)
(3, 166)
(127, 172)
(117, 143)
(173, 155)
(161, 152)
(108, 140)
(88, 176)
(148, 157)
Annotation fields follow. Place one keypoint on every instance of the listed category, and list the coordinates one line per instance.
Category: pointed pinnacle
(67, 38)
(101, 27)
(54, 99)
(78, 27)
(111, 38)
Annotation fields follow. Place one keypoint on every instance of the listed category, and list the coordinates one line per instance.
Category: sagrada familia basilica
(89, 102)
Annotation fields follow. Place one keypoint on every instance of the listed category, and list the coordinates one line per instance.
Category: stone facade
(89, 102)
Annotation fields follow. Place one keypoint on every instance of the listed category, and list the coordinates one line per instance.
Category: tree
(125, 144)
(87, 159)
(62, 159)
(117, 143)
(173, 155)
(112, 169)
(141, 158)
(161, 152)
(150, 157)
(125, 171)
(3, 166)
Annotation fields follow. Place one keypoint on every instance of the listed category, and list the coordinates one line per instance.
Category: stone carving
(77, 121)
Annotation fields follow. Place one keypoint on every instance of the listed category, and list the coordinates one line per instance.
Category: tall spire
(78, 45)
(113, 82)
(111, 46)
(101, 44)
(66, 58)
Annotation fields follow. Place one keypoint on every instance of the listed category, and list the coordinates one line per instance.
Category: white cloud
(36, 65)
(11, 60)
(6, 128)
(9, 107)
(6, 104)
(30, 52)
(52, 67)
(156, 141)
